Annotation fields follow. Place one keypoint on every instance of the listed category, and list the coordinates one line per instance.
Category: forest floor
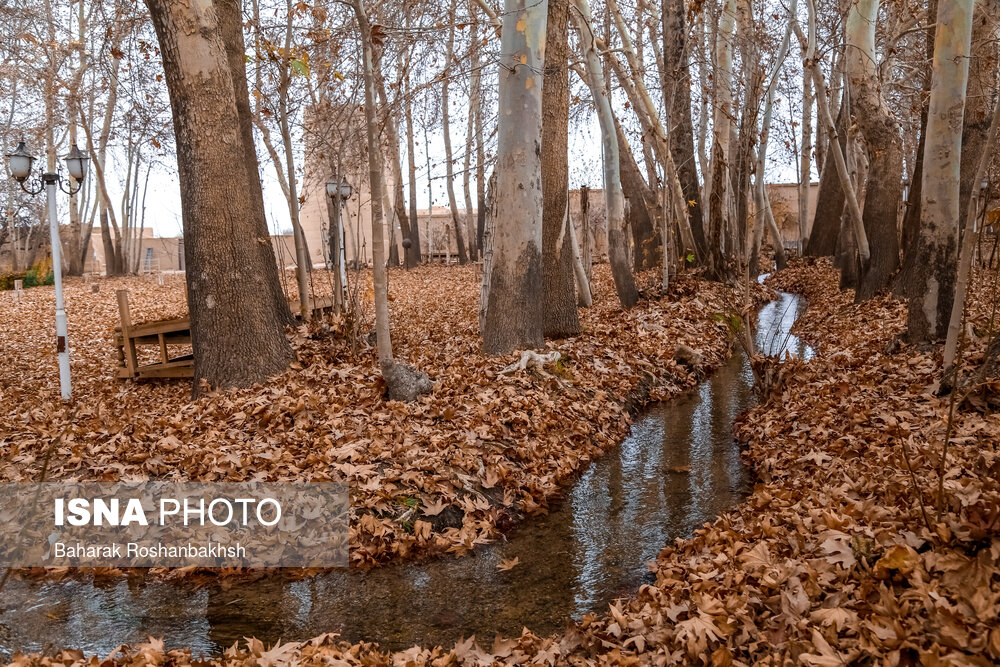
(440, 475)
(830, 560)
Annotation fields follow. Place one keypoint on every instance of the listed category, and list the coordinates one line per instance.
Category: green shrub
(35, 277)
(7, 279)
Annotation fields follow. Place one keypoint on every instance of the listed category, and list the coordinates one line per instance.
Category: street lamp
(20, 163)
(340, 191)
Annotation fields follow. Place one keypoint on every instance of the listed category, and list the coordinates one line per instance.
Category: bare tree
(512, 269)
(931, 291)
(237, 329)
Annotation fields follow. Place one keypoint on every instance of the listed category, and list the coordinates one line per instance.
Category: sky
(163, 202)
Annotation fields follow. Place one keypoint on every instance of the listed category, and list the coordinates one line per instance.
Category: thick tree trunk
(829, 202)
(512, 271)
(231, 24)
(677, 87)
(878, 124)
(933, 279)
(560, 319)
(237, 331)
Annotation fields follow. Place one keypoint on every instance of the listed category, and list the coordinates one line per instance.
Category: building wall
(167, 253)
(785, 207)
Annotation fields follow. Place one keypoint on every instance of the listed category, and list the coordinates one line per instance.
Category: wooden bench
(161, 335)
(165, 334)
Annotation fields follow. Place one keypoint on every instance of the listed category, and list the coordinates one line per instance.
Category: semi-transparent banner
(173, 524)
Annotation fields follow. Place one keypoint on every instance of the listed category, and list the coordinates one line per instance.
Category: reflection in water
(679, 468)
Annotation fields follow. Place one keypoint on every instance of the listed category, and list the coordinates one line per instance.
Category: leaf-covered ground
(830, 561)
(437, 476)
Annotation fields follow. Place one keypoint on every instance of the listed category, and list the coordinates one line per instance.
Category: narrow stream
(679, 468)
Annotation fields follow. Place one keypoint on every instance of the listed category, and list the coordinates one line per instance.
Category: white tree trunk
(512, 271)
(931, 293)
(614, 200)
(969, 244)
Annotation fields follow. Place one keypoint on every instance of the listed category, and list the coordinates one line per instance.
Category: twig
(916, 487)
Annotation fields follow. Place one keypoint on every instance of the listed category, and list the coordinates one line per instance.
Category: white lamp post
(20, 163)
(341, 191)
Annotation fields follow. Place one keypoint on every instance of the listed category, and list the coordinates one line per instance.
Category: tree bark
(982, 80)
(881, 131)
(415, 250)
(969, 240)
(911, 216)
(231, 24)
(560, 318)
(677, 87)
(236, 329)
(718, 216)
(933, 279)
(512, 269)
(381, 288)
(411, 256)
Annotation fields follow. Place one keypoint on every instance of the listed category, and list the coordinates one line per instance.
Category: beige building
(167, 253)
(785, 207)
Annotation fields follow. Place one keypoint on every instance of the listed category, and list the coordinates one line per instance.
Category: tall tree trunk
(982, 81)
(761, 201)
(476, 88)
(463, 256)
(586, 247)
(628, 294)
(805, 162)
(411, 255)
(677, 88)
(933, 279)
(411, 159)
(471, 212)
(969, 238)
(829, 203)
(718, 217)
(382, 338)
(236, 329)
(558, 295)
(231, 25)
(512, 268)
(878, 124)
(835, 136)
(911, 216)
